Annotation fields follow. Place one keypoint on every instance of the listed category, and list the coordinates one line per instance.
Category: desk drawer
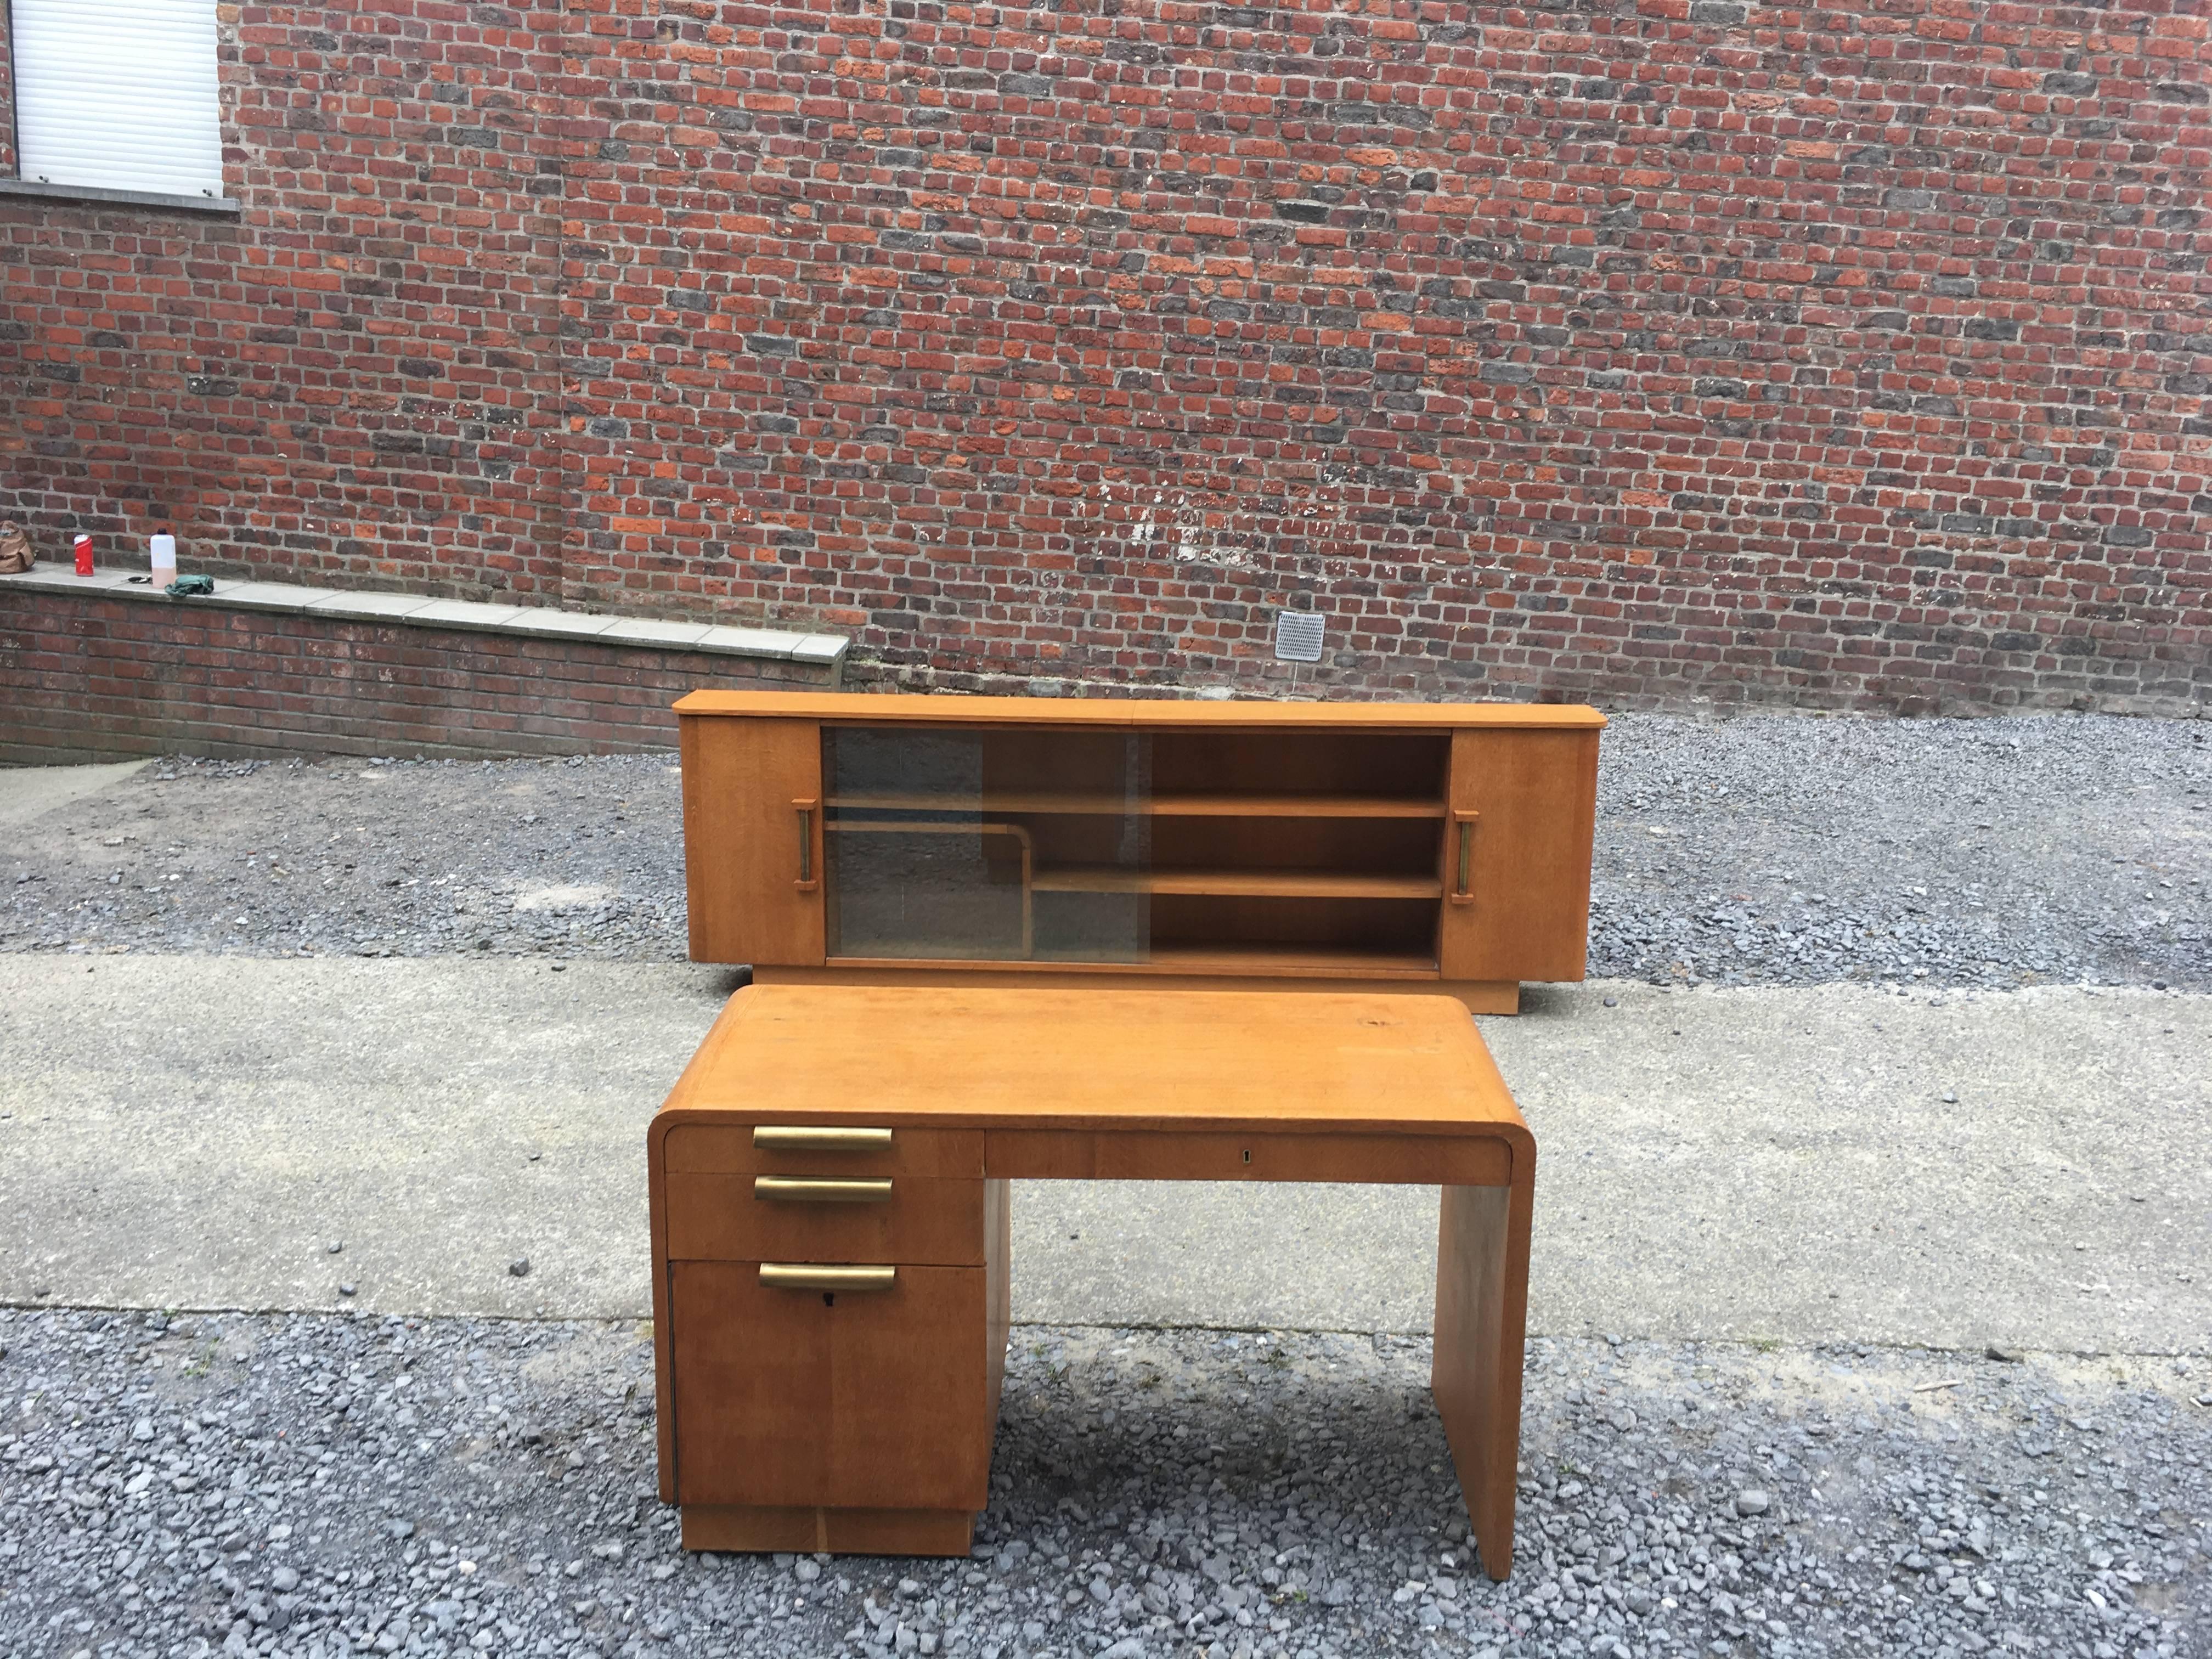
(1207, 1155)
(750, 1149)
(729, 1217)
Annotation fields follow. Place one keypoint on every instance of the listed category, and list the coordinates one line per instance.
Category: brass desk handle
(822, 1189)
(1462, 891)
(820, 1138)
(785, 1276)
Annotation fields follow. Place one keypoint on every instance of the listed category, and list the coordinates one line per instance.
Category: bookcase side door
(752, 839)
(1524, 803)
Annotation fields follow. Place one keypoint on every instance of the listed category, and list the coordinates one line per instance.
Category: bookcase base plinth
(1481, 996)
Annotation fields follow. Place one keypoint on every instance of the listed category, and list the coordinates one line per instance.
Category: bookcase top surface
(968, 1057)
(874, 709)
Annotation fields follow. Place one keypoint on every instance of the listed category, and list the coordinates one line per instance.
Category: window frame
(14, 184)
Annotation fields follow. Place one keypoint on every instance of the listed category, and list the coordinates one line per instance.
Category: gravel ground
(317, 1485)
(1760, 850)
(581, 858)
(1992, 853)
(314, 1485)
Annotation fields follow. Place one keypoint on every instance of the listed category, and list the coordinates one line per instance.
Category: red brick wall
(360, 379)
(1647, 351)
(82, 677)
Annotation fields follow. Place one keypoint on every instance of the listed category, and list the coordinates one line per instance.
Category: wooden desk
(830, 1223)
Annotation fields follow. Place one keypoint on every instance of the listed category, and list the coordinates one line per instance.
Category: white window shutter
(117, 95)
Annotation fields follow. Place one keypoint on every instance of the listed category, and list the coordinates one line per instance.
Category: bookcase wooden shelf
(1247, 884)
(866, 838)
(1163, 806)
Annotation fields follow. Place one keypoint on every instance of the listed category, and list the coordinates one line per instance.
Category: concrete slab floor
(31, 792)
(195, 1132)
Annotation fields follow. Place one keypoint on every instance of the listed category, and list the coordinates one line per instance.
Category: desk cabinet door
(866, 1398)
(1516, 856)
(752, 839)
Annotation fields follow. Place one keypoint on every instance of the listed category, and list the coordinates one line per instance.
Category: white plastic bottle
(164, 559)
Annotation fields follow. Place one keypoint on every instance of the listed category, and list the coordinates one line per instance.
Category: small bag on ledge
(15, 555)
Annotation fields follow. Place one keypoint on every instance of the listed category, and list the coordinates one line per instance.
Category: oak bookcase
(868, 839)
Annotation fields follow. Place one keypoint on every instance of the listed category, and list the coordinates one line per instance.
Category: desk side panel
(1482, 1313)
(998, 1235)
(663, 1375)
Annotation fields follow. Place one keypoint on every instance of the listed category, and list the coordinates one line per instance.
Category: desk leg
(999, 1286)
(1482, 1313)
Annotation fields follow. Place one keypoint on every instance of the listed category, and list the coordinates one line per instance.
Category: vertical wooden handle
(1462, 887)
(808, 881)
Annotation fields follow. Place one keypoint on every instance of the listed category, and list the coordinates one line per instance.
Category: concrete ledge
(419, 610)
(104, 666)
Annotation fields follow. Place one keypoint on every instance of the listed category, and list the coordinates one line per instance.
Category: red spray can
(83, 556)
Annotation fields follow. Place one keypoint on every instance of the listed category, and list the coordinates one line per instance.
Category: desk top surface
(957, 1058)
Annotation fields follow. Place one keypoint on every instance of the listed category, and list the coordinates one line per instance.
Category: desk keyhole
(828, 1299)
(1248, 1154)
